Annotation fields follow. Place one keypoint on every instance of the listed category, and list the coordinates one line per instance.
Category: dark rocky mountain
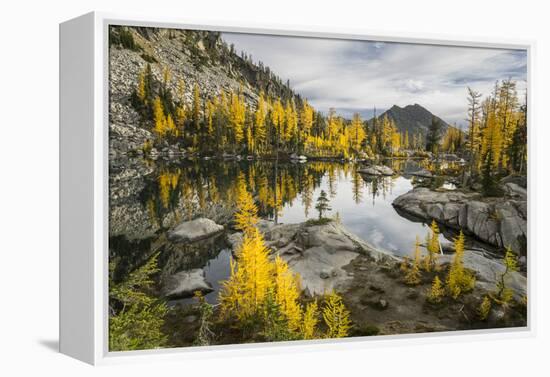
(413, 118)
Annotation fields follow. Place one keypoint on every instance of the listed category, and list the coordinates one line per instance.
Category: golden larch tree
(432, 245)
(336, 316)
(250, 280)
(237, 117)
(287, 292)
(436, 292)
(159, 117)
(259, 121)
(459, 280)
(310, 320)
(413, 275)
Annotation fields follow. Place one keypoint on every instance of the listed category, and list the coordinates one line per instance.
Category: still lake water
(372, 217)
(176, 192)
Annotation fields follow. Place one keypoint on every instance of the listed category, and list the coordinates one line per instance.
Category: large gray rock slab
(194, 230)
(320, 268)
(515, 191)
(185, 283)
(501, 222)
(318, 253)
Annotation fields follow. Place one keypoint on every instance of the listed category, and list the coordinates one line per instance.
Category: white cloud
(359, 75)
(414, 85)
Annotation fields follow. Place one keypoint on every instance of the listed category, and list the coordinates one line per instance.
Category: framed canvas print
(226, 188)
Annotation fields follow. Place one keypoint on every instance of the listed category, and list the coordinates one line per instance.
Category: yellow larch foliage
(387, 131)
(287, 292)
(181, 117)
(413, 274)
(141, 91)
(395, 141)
(171, 126)
(306, 120)
(310, 320)
(246, 217)
(291, 119)
(159, 117)
(237, 116)
(259, 121)
(492, 139)
(432, 245)
(210, 109)
(484, 308)
(278, 116)
(336, 316)
(459, 280)
(244, 294)
(437, 291)
(196, 107)
(405, 263)
(258, 284)
(356, 132)
(167, 182)
(250, 141)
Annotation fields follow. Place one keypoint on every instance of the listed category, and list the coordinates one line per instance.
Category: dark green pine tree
(488, 182)
(433, 136)
(322, 204)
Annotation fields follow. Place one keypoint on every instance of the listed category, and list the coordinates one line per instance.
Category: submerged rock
(376, 170)
(185, 283)
(194, 230)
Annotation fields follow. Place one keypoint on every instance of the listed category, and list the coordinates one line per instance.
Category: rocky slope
(200, 57)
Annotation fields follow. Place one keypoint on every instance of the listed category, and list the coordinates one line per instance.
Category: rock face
(500, 222)
(194, 230)
(514, 190)
(185, 283)
(317, 253)
(376, 170)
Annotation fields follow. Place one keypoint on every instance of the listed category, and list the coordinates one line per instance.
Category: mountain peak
(412, 118)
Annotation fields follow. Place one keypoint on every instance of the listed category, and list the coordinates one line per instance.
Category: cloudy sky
(357, 75)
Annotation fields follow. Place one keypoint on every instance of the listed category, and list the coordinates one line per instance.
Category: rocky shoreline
(501, 222)
(329, 257)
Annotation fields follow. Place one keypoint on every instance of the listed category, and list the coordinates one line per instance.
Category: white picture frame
(84, 190)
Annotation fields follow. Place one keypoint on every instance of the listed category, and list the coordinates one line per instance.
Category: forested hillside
(177, 64)
(189, 92)
(184, 92)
